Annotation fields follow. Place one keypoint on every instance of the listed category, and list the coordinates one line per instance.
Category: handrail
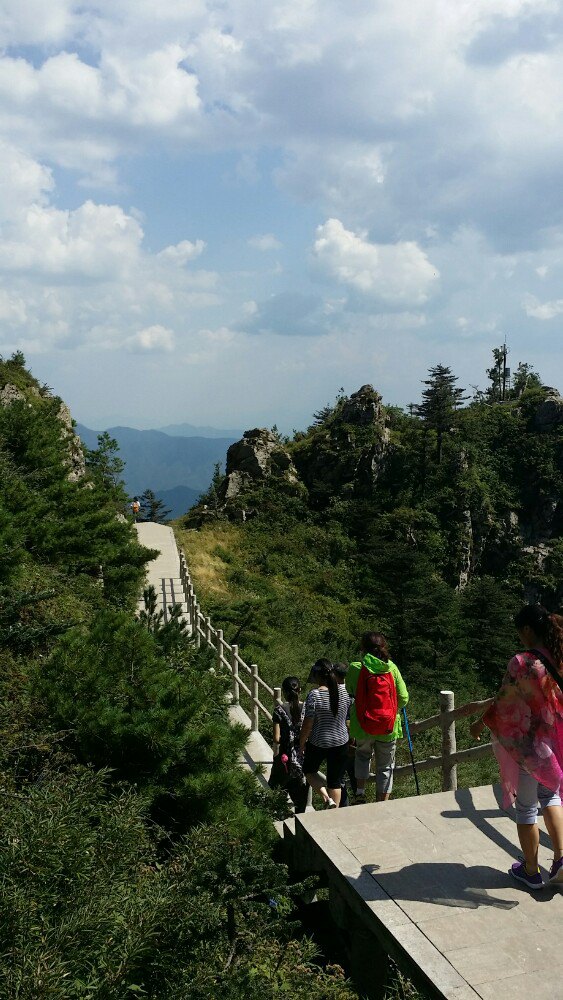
(226, 654)
(471, 708)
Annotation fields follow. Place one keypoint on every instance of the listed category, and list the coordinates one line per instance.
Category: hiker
(135, 507)
(526, 720)
(375, 720)
(324, 733)
(340, 670)
(287, 766)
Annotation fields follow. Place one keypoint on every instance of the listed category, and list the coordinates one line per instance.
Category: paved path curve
(163, 573)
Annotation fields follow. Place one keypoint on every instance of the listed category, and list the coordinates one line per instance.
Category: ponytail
(547, 627)
(291, 687)
(323, 670)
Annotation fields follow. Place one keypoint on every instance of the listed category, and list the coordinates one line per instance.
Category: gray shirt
(328, 730)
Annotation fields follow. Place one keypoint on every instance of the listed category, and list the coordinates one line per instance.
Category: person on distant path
(287, 766)
(375, 718)
(324, 734)
(135, 508)
(526, 720)
(341, 669)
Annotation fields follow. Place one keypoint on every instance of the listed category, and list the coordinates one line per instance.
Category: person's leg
(318, 784)
(364, 750)
(314, 757)
(526, 820)
(385, 764)
(336, 760)
(552, 813)
(553, 816)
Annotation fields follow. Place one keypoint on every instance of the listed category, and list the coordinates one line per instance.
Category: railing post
(255, 717)
(208, 630)
(219, 649)
(277, 697)
(449, 771)
(234, 671)
(198, 619)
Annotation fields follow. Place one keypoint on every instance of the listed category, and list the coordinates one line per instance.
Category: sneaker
(359, 800)
(518, 871)
(556, 873)
(330, 804)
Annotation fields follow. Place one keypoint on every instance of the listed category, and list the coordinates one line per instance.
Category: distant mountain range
(177, 468)
(189, 431)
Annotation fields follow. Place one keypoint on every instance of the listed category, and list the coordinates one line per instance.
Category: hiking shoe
(556, 873)
(518, 871)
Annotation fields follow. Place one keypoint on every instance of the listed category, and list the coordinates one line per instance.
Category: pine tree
(153, 509)
(440, 400)
(104, 464)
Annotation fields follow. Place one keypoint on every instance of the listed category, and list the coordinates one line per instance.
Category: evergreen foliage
(153, 509)
(136, 853)
(440, 401)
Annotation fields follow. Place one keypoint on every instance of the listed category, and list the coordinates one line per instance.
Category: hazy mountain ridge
(178, 469)
(190, 430)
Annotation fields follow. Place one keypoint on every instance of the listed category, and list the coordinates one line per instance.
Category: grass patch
(209, 553)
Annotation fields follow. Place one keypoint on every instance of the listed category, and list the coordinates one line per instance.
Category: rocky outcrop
(258, 456)
(348, 450)
(363, 408)
(10, 394)
(75, 454)
(549, 413)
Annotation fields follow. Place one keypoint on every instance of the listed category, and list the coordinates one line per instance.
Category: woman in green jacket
(375, 658)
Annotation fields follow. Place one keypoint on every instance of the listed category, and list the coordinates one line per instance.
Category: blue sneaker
(518, 871)
(556, 873)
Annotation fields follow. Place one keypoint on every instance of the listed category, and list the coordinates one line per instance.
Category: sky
(223, 211)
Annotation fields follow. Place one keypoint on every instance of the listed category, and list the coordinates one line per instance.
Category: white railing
(245, 677)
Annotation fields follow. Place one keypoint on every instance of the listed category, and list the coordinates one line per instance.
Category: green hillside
(432, 526)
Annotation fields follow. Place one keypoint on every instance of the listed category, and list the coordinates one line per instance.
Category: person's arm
(477, 727)
(305, 731)
(352, 678)
(277, 735)
(402, 693)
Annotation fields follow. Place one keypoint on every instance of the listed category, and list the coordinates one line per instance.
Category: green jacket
(376, 667)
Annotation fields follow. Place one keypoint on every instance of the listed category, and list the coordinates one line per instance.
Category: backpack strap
(549, 667)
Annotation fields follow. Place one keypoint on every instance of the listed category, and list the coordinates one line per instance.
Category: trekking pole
(411, 750)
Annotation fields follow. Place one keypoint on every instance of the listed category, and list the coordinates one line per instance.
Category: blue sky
(222, 213)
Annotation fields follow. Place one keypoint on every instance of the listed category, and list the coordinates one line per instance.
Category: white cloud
(154, 338)
(542, 310)
(393, 273)
(183, 252)
(265, 243)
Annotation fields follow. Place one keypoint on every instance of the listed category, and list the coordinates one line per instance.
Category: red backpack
(376, 702)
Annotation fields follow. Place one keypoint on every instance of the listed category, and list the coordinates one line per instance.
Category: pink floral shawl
(526, 720)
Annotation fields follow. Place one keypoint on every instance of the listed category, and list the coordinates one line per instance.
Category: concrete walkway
(163, 573)
(426, 879)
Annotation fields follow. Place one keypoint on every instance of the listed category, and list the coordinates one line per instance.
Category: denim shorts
(527, 797)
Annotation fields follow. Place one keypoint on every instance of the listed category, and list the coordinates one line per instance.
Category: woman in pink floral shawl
(526, 720)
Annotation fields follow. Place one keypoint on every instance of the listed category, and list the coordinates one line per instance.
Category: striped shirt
(328, 730)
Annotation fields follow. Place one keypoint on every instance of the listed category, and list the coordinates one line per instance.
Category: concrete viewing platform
(424, 880)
